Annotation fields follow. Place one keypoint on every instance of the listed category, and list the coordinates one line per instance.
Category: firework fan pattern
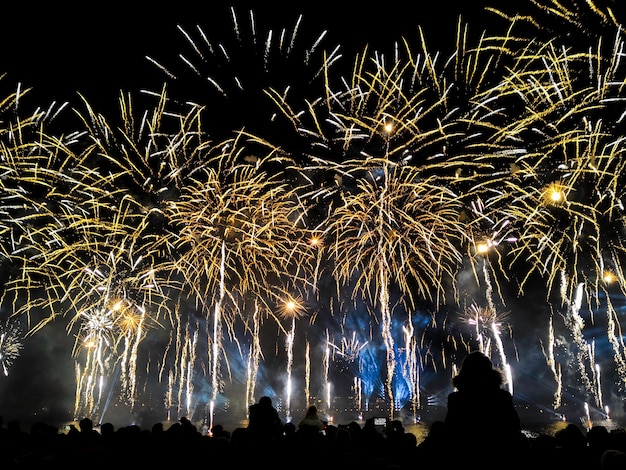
(362, 218)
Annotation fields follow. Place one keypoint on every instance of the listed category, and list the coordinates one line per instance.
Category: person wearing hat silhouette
(481, 420)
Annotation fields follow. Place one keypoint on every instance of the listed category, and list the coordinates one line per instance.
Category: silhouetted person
(107, 429)
(435, 443)
(86, 425)
(263, 420)
(481, 420)
(598, 440)
(89, 437)
(157, 429)
(218, 431)
(372, 440)
(311, 424)
(613, 459)
(571, 447)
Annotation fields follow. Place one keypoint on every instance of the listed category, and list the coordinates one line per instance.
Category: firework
(395, 192)
(10, 344)
(235, 73)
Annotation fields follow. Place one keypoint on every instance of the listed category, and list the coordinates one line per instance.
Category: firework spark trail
(325, 369)
(599, 387)
(79, 387)
(495, 330)
(241, 210)
(10, 344)
(356, 389)
(576, 324)
(617, 342)
(217, 329)
(137, 336)
(577, 151)
(97, 339)
(307, 374)
(238, 71)
(168, 399)
(189, 379)
(487, 324)
(288, 386)
(594, 373)
(249, 375)
(386, 324)
(254, 356)
(551, 361)
(376, 245)
(185, 361)
(174, 340)
(412, 366)
(102, 254)
(506, 367)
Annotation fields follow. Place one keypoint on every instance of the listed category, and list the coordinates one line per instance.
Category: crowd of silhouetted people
(481, 430)
(304, 444)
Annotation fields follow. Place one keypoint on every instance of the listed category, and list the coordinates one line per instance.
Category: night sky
(60, 49)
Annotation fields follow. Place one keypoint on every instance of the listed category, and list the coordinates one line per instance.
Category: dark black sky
(60, 49)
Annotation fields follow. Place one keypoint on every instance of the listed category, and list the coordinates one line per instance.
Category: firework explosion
(325, 245)
(10, 345)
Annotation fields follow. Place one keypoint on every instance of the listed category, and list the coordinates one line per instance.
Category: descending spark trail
(556, 369)
(253, 358)
(217, 329)
(495, 330)
(288, 385)
(412, 367)
(576, 324)
(388, 340)
(307, 375)
(10, 344)
(617, 342)
(325, 368)
(599, 387)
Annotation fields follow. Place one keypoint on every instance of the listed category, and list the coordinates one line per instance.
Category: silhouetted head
(265, 401)
(477, 370)
(613, 458)
(85, 424)
(290, 427)
(107, 428)
(476, 363)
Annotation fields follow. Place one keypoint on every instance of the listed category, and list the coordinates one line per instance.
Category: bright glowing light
(555, 193)
(315, 241)
(608, 277)
(292, 308)
(482, 248)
